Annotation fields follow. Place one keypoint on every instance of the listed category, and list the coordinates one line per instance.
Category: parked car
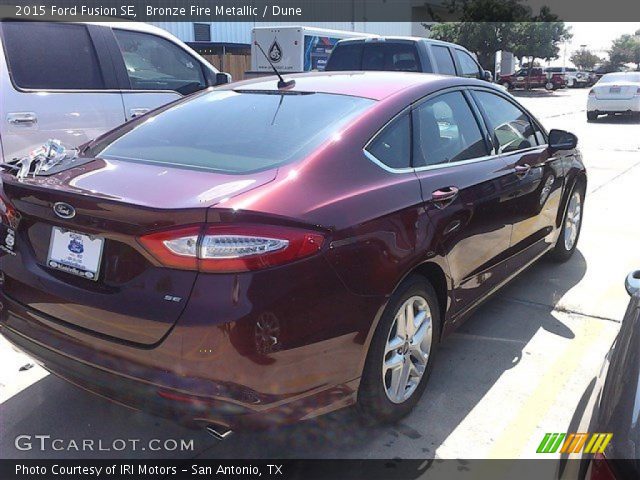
(612, 406)
(298, 254)
(536, 79)
(615, 93)
(573, 77)
(75, 81)
(405, 54)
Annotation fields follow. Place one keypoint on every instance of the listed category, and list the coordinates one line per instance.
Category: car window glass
(468, 65)
(390, 56)
(51, 56)
(154, 63)
(392, 145)
(445, 130)
(347, 56)
(444, 61)
(234, 132)
(511, 126)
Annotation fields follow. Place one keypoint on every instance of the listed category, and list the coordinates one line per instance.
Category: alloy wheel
(407, 349)
(572, 221)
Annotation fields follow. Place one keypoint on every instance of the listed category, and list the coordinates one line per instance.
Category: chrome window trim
(417, 103)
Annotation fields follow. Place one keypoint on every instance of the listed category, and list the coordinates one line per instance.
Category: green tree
(625, 49)
(487, 26)
(540, 40)
(584, 59)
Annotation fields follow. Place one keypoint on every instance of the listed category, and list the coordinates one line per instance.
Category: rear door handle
(136, 112)
(22, 119)
(444, 196)
(522, 170)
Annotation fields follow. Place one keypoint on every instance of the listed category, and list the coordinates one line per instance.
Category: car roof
(391, 38)
(373, 85)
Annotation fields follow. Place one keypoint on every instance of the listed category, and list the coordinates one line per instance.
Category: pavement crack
(624, 172)
(561, 309)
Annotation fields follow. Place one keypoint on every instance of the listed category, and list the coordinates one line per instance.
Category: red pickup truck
(537, 78)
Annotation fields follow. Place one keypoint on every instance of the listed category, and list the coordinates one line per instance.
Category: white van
(75, 81)
(294, 49)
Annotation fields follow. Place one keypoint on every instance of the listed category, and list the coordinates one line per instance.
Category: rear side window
(468, 66)
(234, 132)
(51, 56)
(444, 60)
(511, 126)
(390, 56)
(344, 57)
(154, 63)
(392, 146)
(445, 130)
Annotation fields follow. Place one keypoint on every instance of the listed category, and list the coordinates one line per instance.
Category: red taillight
(231, 248)
(600, 469)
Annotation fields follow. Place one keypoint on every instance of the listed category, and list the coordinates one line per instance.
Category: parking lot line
(518, 432)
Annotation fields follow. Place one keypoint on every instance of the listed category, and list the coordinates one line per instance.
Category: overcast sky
(597, 36)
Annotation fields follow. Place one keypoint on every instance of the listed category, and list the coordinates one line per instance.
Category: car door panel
(535, 181)
(464, 193)
(153, 71)
(473, 230)
(34, 111)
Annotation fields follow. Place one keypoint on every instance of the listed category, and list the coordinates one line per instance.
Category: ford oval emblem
(64, 210)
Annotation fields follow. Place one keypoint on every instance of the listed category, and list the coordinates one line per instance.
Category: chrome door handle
(522, 170)
(23, 119)
(444, 196)
(136, 112)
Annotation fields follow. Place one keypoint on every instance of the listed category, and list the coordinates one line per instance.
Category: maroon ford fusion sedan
(252, 254)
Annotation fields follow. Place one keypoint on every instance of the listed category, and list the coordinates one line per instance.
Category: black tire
(560, 252)
(373, 401)
(508, 85)
(592, 116)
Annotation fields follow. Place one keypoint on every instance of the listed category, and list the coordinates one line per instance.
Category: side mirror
(487, 75)
(632, 283)
(561, 140)
(222, 78)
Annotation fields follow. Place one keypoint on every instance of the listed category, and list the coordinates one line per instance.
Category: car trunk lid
(132, 298)
(616, 91)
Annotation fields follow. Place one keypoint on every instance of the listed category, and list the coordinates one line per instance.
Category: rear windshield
(621, 77)
(234, 132)
(376, 56)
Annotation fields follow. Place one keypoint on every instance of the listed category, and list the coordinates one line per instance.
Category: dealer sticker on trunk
(7, 239)
(75, 253)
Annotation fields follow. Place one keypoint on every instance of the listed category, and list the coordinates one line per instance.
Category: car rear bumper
(217, 372)
(613, 106)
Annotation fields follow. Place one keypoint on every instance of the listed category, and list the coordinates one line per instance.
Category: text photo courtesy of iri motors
(368, 239)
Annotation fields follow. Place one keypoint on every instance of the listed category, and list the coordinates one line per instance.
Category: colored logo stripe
(574, 442)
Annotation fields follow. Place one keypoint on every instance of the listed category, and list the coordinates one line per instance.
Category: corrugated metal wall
(240, 32)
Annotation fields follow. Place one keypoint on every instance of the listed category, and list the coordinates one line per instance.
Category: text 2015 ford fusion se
(255, 254)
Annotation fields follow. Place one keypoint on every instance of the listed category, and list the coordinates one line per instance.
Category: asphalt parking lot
(516, 370)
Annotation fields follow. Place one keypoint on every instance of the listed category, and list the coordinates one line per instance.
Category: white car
(75, 81)
(615, 93)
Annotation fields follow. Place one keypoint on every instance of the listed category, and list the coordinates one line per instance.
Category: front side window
(392, 146)
(51, 56)
(511, 126)
(154, 63)
(445, 130)
(235, 132)
(469, 67)
(444, 60)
